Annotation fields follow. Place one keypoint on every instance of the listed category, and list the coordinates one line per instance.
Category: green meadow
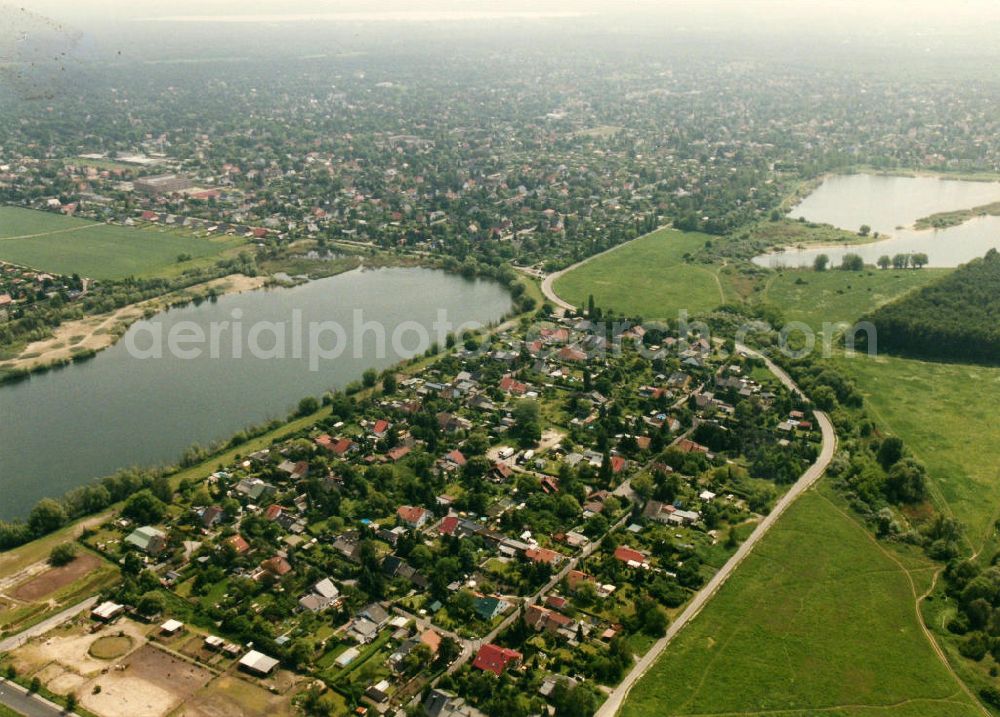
(818, 620)
(822, 619)
(647, 277)
(949, 417)
(815, 297)
(67, 245)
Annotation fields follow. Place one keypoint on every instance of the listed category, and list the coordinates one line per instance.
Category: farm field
(38, 590)
(647, 277)
(67, 245)
(814, 297)
(791, 633)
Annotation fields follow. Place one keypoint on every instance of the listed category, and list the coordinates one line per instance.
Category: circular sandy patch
(110, 646)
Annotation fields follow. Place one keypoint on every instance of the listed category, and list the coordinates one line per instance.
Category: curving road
(616, 699)
(549, 279)
(613, 704)
(805, 481)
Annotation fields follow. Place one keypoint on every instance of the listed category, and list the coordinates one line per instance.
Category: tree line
(952, 319)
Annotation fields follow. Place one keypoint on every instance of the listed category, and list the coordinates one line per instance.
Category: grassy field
(789, 232)
(67, 245)
(44, 591)
(822, 619)
(647, 277)
(949, 416)
(791, 633)
(814, 297)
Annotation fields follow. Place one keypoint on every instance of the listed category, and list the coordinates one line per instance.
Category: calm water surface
(890, 205)
(61, 429)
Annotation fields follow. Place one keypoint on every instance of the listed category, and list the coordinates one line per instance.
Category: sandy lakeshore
(95, 333)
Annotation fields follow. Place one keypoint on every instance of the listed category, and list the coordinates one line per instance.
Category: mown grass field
(818, 620)
(67, 245)
(647, 277)
(815, 297)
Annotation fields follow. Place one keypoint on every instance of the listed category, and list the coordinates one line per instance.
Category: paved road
(30, 705)
(806, 481)
(15, 641)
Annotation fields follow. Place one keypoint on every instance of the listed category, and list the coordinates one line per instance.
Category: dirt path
(68, 230)
(918, 600)
(99, 332)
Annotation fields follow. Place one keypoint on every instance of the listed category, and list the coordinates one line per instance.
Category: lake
(890, 206)
(68, 426)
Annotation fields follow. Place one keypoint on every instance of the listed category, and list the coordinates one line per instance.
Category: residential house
(148, 539)
(490, 607)
(496, 659)
(630, 556)
(413, 516)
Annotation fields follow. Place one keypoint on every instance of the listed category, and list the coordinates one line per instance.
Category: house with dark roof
(489, 607)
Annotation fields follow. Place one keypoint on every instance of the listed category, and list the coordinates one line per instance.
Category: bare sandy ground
(68, 650)
(147, 683)
(103, 330)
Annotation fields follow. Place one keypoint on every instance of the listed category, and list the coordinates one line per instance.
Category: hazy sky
(931, 14)
(929, 27)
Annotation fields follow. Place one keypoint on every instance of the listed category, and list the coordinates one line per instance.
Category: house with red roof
(273, 512)
(571, 354)
(576, 578)
(496, 659)
(554, 623)
(501, 472)
(629, 555)
(509, 384)
(542, 555)
(456, 458)
(237, 543)
(432, 639)
(688, 446)
(276, 566)
(398, 453)
(556, 602)
(413, 516)
(555, 336)
(337, 446)
(448, 525)
(380, 428)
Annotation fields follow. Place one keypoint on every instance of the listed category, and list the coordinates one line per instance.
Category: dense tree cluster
(952, 319)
